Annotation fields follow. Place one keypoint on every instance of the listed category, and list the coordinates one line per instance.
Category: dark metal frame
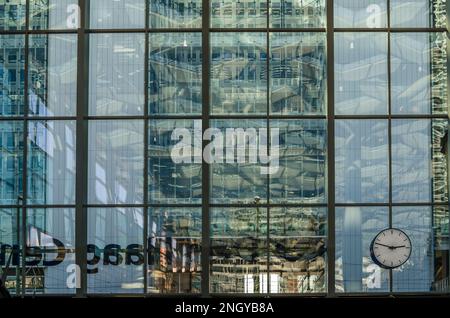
(82, 118)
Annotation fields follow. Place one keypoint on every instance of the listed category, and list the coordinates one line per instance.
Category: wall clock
(390, 248)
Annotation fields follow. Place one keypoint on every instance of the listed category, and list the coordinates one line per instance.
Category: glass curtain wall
(106, 108)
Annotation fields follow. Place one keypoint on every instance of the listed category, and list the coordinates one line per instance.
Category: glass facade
(222, 147)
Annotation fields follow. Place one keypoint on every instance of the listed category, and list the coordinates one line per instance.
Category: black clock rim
(372, 253)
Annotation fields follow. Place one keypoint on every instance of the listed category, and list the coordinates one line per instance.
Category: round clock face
(391, 248)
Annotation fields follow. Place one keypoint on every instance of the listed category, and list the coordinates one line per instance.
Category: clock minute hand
(385, 245)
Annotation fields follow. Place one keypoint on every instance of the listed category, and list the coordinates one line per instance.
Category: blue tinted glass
(361, 79)
(54, 14)
(419, 73)
(117, 14)
(301, 176)
(238, 14)
(360, 13)
(116, 74)
(12, 70)
(417, 273)
(355, 229)
(234, 180)
(298, 73)
(175, 73)
(51, 162)
(52, 77)
(175, 169)
(175, 14)
(238, 73)
(411, 155)
(12, 14)
(116, 162)
(50, 235)
(10, 238)
(11, 162)
(238, 255)
(418, 13)
(297, 14)
(298, 250)
(174, 250)
(115, 251)
(361, 161)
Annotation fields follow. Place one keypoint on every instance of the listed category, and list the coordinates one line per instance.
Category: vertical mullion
(82, 147)
(268, 55)
(331, 164)
(25, 149)
(388, 6)
(205, 246)
(146, 148)
(448, 116)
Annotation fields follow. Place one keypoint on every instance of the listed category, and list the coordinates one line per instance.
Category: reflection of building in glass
(268, 234)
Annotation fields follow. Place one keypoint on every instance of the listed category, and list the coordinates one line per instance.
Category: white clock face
(391, 248)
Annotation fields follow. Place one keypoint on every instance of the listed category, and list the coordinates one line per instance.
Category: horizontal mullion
(144, 30)
(265, 30)
(430, 204)
(405, 116)
(392, 30)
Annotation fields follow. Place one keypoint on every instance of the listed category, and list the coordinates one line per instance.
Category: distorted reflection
(12, 71)
(175, 13)
(298, 250)
(115, 250)
(238, 73)
(52, 84)
(297, 14)
(419, 73)
(116, 162)
(239, 14)
(51, 162)
(298, 73)
(361, 78)
(174, 250)
(171, 182)
(175, 74)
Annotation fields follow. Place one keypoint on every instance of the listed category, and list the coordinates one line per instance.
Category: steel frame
(82, 118)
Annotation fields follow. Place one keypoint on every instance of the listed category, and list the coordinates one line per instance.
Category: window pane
(175, 73)
(301, 176)
(298, 73)
(10, 246)
(175, 14)
(419, 73)
(53, 75)
(360, 13)
(238, 73)
(238, 250)
(115, 251)
(175, 250)
(116, 162)
(361, 162)
(439, 160)
(298, 250)
(238, 14)
(116, 74)
(54, 14)
(361, 73)
(12, 71)
(355, 229)
(51, 256)
(236, 179)
(411, 156)
(297, 14)
(417, 273)
(12, 15)
(418, 13)
(117, 14)
(175, 174)
(11, 162)
(51, 162)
